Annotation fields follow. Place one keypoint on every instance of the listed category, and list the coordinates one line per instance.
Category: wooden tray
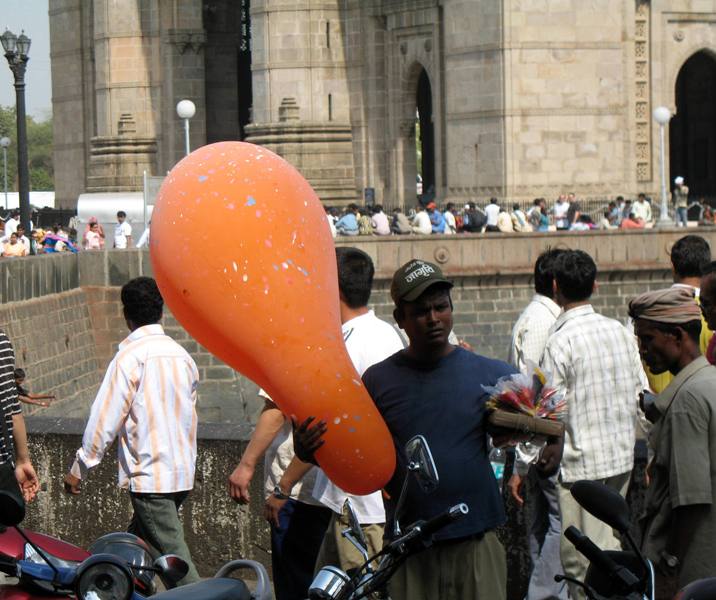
(525, 424)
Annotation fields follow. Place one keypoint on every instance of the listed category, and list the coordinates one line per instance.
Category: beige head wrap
(675, 305)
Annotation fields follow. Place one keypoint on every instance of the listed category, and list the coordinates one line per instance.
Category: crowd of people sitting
(566, 213)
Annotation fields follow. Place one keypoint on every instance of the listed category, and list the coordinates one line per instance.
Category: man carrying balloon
(435, 389)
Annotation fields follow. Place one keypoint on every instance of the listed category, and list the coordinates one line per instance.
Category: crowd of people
(655, 372)
(60, 238)
(565, 214)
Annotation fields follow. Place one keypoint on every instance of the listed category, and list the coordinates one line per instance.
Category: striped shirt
(595, 360)
(9, 403)
(148, 401)
(531, 331)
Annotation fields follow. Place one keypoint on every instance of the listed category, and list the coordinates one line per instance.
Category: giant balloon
(245, 260)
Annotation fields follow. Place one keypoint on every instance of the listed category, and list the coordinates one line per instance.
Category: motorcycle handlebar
(438, 522)
(599, 558)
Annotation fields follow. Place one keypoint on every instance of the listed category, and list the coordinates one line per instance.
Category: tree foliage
(39, 148)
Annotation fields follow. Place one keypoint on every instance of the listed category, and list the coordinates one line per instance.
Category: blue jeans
(681, 216)
(294, 548)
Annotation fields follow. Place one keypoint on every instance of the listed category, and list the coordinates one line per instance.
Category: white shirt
(529, 336)
(531, 331)
(596, 362)
(450, 222)
(560, 214)
(147, 401)
(369, 340)
(11, 226)
(642, 210)
(421, 223)
(121, 232)
(492, 211)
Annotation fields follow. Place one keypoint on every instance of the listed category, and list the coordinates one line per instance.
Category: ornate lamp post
(186, 110)
(662, 115)
(4, 143)
(16, 51)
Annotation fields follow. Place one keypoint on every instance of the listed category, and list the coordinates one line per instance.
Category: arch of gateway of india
(511, 98)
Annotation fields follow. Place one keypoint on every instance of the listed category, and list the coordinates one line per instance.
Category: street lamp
(4, 143)
(186, 110)
(662, 115)
(16, 49)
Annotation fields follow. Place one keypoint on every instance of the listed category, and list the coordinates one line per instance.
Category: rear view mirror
(354, 527)
(421, 464)
(171, 568)
(12, 509)
(603, 502)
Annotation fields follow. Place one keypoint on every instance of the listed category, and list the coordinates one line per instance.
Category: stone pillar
(300, 92)
(126, 38)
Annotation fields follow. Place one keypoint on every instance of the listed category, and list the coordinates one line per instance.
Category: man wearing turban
(679, 524)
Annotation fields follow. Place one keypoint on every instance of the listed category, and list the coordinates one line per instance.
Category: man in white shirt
(642, 209)
(450, 222)
(421, 221)
(22, 238)
(492, 210)
(529, 337)
(379, 221)
(148, 400)
(122, 231)
(297, 487)
(595, 361)
(12, 223)
(560, 210)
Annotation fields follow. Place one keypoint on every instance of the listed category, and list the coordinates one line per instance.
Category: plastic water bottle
(498, 458)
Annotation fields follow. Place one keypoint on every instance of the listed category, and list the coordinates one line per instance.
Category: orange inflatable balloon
(245, 260)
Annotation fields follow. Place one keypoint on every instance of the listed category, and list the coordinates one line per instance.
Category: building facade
(506, 98)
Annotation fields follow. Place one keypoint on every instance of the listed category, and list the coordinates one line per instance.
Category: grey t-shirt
(684, 469)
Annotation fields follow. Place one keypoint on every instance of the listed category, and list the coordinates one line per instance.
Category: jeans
(294, 548)
(681, 216)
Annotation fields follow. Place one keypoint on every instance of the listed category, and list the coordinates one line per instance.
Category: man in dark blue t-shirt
(435, 389)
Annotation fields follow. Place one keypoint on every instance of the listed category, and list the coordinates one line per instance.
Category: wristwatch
(278, 493)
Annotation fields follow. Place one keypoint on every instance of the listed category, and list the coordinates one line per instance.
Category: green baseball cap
(413, 278)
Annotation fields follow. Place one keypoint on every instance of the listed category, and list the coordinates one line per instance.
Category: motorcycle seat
(218, 588)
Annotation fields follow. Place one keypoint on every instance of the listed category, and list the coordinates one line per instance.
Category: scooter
(611, 574)
(334, 584)
(118, 566)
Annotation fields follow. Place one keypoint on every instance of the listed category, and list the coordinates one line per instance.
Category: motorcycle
(118, 566)
(334, 584)
(612, 574)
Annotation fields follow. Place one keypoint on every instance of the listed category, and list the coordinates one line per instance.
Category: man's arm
(269, 424)
(24, 471)
(109, 411)
(291, 476)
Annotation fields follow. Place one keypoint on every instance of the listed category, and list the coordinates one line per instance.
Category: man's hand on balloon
(239, 482)
(308, 438)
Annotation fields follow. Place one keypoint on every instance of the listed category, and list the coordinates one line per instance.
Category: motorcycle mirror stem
(40, 552)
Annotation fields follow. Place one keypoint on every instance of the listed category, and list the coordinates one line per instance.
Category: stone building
(513, 98)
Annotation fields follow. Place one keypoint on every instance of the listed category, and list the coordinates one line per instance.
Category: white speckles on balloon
(245, 278)
(230, 206)
(266, 291)
(284, 265)
(267, 243)
(258, 214)
(275, 267)
(293, 238)
(202, 178)
(345, 416)
(302, 270)
(357, 383)
(236, 267)
(337, 420)
(250, 201)
(305, 203)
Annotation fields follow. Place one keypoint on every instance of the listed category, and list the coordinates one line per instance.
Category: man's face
(120, 219)
(428, 321)
(659, 350)
(707, 300)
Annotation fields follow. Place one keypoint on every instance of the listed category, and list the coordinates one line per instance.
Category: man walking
(679, 525)
(595, 361)
(147, 399)
(529, 337)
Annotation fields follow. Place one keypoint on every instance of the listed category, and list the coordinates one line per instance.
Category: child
(24, 396)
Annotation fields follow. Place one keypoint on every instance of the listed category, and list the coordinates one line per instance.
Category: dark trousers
(294, 548)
